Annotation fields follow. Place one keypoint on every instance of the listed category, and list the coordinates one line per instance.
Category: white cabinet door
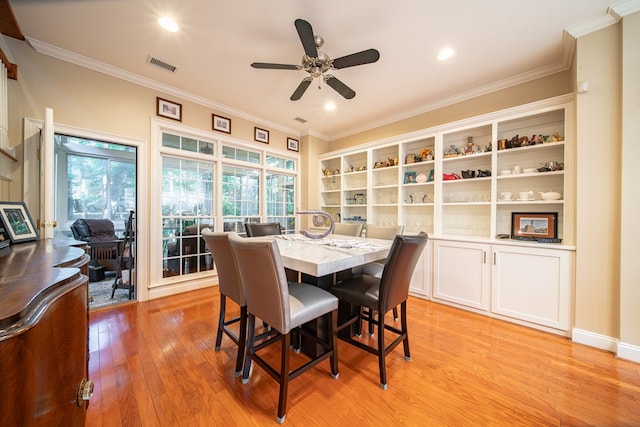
(533, 285)
(421, 280)
(461, 273)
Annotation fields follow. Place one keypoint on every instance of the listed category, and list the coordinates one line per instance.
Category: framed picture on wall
(17, 222)
(221, 124)
(293, 144)
(261, 135)
(169, 109)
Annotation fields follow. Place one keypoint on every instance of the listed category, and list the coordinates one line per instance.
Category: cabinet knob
(84, 391)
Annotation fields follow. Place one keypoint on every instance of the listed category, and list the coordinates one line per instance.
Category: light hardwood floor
(153, 364)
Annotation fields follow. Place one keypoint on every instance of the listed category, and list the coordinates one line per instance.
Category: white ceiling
(498, 43)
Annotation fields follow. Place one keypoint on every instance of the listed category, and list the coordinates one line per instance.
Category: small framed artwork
(293, 144)
(5, 240)
(409, 177)
(169, 109)
(261, 135)
(221, 124)
(534, 225)
(17, 222)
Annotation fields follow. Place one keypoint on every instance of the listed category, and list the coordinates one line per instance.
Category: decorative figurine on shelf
(426, 154)
(556, 137)
(452, 152)
(471, 148)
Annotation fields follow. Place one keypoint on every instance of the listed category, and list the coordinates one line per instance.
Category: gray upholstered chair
(285, 307)
(230, 286)
(381, 295)
(347, 229)
(255, 229)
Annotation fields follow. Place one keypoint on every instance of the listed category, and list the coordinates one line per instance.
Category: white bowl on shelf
(505, 172)
(550, 195)
(530, 170)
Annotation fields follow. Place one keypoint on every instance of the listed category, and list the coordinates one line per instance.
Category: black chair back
(398, 270)
(262, 229)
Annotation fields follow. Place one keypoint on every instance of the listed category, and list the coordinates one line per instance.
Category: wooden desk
(44, 341)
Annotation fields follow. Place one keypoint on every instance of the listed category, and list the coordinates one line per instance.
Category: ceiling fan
(317, 63)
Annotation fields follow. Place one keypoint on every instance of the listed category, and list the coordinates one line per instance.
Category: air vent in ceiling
(162, 64)
(300, 119)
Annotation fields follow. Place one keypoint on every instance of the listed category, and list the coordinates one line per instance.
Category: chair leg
(381, 351)
(242, 340)
(405, 342)
(250, 344)
(284, 378)
(371, 323)
(223, 304)
(333, 336)
(395, 313)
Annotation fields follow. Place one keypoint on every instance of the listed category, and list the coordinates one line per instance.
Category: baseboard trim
(594, 340)
(628, 352)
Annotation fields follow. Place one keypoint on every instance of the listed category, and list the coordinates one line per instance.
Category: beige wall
(88, 99)
(547, 87)
(630, 207)
(598, 183)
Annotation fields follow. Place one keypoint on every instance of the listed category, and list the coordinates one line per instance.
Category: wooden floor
(153, 364)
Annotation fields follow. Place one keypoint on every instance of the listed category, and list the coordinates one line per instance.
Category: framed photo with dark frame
(17, 222)
(261, 135)
(169, 109)
(221, 124)
(534, 225)
(410, 177)
(293, 144)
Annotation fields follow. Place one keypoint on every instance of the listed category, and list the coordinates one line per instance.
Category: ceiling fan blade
(306, 37)
(269, 66)
(302, 87)
(365, 57)
(339, 87)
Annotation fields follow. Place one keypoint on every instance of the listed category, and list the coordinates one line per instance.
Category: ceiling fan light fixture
(168, 24)
(446, 53)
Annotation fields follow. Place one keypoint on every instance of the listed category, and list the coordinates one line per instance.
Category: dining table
(327, 257)
(324, 261)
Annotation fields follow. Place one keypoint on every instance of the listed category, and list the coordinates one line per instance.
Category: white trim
(160, 286)
(594, 340)
(628, 352)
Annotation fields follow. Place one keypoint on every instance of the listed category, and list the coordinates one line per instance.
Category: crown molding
(101, 67)
(614, 15)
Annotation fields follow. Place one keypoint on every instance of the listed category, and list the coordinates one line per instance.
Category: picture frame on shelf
(410, 177)
(293, 144)
(261, 135)
(168, 109)
(221, 124)
(534, 225)
(5, 240)
(17, 222)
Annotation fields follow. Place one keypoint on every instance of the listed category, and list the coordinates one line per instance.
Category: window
(204, 180)
(240, 197)
(187, 208)
(281, 200)
(100, 181)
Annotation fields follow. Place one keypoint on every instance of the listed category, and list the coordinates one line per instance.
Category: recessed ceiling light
(168, 24)
(330, 106)
(445, 53)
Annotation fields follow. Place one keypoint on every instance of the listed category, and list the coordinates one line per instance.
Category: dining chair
(285, 307)
(230, 286)
(347, 229)
(384, 232)
(255, 229)
(381, 295)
